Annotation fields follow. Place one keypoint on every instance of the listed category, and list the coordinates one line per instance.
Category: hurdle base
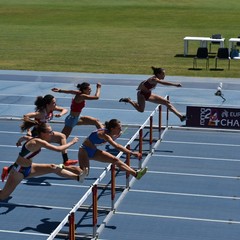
(108, 187)
(101, 209)
(83, 236)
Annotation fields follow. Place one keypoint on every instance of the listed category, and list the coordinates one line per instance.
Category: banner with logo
(213, 117)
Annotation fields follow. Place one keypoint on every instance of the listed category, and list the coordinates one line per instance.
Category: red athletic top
(77, 107)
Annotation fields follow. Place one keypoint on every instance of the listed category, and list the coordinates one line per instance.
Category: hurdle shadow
(85, 220)
(163, 151)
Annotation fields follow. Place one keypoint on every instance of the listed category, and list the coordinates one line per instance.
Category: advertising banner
(213, 117)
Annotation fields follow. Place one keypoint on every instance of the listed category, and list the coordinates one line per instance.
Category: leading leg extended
(104, 156)
(160, 100)
(43, 169)
(67, 172)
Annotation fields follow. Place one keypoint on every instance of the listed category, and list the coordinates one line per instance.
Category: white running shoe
(82, 175)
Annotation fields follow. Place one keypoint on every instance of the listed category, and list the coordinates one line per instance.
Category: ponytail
(111, 124)
(29, 123)
(41, 102)
(81, 87)
(157, 70)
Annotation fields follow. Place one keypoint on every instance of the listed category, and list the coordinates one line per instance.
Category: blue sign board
(213, 117)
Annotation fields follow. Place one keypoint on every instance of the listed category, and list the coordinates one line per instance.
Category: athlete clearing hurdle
(145, 93)
(107, 134)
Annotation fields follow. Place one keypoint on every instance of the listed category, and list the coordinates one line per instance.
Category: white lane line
(186, 194)
(178, 217)
(195, 175)
(34, 206)
(201, 158)
(202, 143)
(24, 233)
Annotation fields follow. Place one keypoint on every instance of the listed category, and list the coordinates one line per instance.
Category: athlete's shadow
(43, 181)
(11, 206)
(45, 227)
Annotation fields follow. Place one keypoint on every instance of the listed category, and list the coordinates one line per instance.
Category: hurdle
(57, 232)
(93, 189)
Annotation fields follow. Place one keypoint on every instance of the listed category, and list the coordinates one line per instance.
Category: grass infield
(112, 36)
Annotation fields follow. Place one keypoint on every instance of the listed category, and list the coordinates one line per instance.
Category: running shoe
(141, 173)
(61, 165)
(70, 162)
(126, 100)
(82, 175)
(87, 171)
(4, 173)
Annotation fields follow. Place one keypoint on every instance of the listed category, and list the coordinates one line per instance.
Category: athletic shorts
(71, 121)
(24, 170)
(90, 151)
(146, 94)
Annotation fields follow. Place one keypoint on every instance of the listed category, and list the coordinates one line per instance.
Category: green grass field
(112, 36)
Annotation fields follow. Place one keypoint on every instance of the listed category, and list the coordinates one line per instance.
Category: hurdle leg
(151, 134)
(71, 226)
(128, 163)
(95, 210)
(113, 185)
(140, 146)
(159, 120)
(167, 113)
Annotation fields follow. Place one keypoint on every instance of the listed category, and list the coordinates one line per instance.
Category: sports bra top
(26, 153)
(148, 85)
(77, 107)
(46, 118)
(94, 139)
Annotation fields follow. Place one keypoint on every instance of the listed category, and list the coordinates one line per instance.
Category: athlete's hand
(55, 89)
(18, 144)
(99, 85)
(137, 154)
(58, 115)
(178, 85)
(75, 140)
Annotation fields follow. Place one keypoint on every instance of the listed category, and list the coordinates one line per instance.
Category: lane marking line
(178, 217)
